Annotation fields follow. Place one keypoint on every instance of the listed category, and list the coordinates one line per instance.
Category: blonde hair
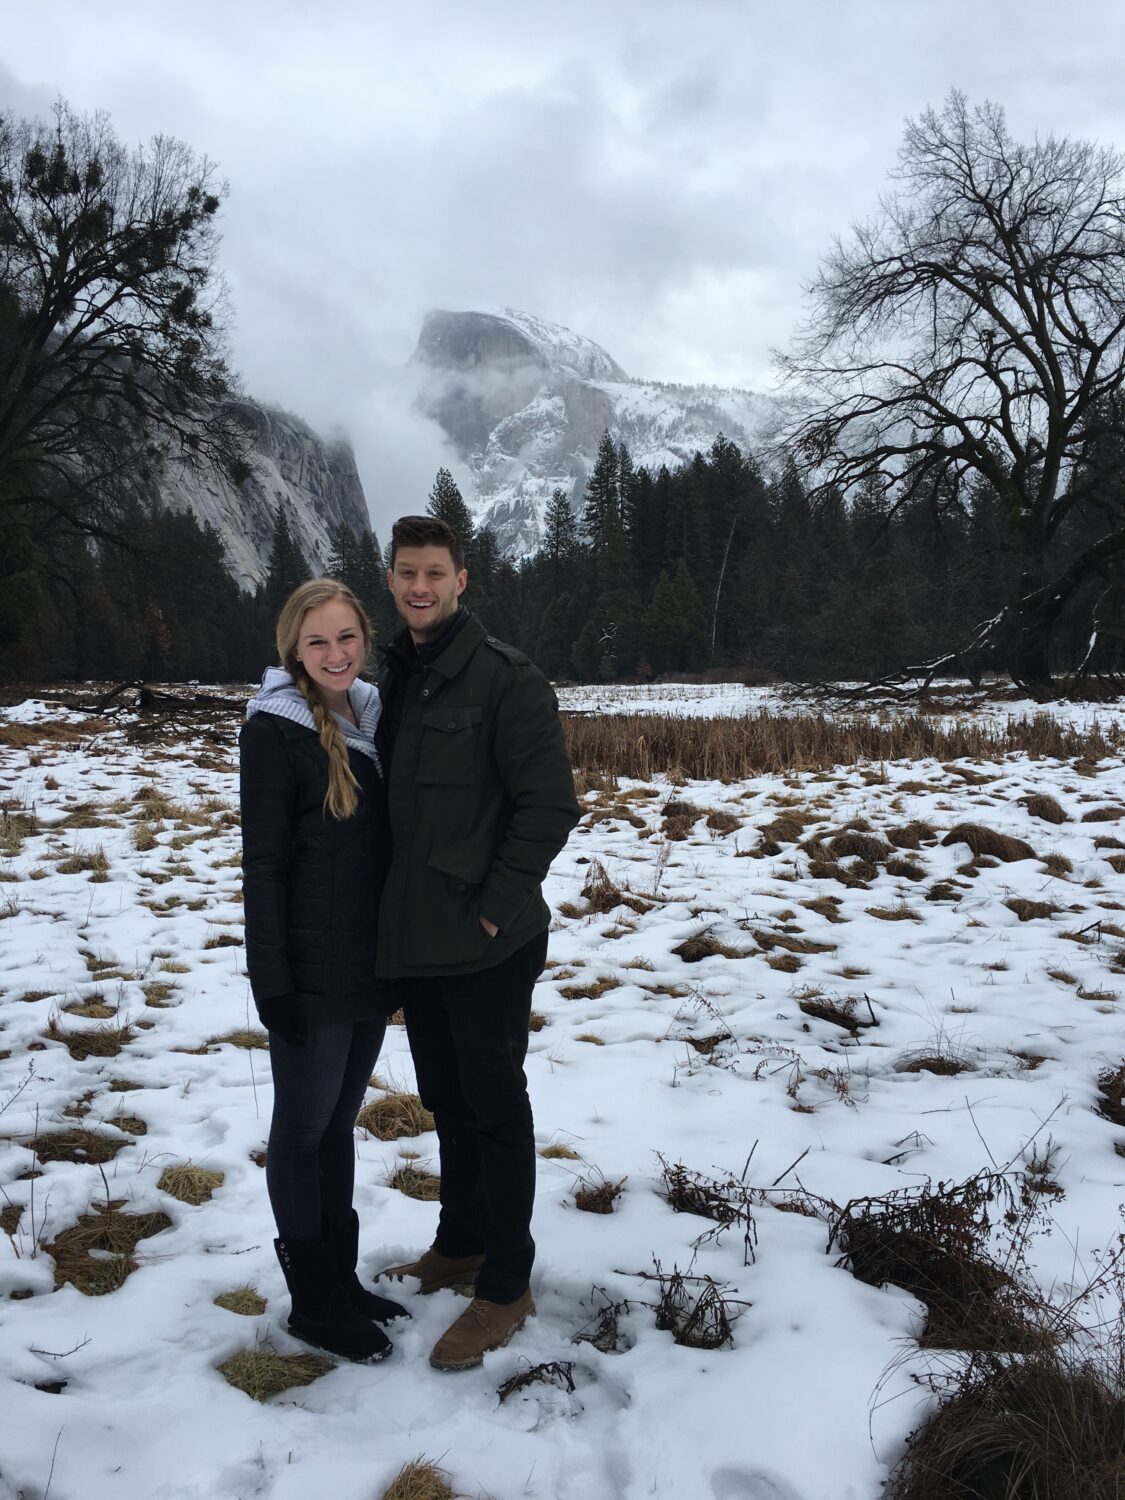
(343, 789)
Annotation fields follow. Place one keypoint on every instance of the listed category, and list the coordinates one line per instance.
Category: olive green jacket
(481, 800)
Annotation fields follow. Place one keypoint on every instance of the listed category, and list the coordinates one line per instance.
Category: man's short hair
(426, 531)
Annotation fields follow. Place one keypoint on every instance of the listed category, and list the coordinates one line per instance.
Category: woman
(314, 856)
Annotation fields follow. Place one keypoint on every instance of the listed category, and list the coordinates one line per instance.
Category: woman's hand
(282, 1015)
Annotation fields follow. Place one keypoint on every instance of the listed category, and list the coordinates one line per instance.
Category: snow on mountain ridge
(525, 403)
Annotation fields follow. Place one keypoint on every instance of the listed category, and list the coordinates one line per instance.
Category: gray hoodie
(280, 695)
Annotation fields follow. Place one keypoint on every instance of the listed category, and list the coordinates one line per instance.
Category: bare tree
(111, 323)
(974, 328)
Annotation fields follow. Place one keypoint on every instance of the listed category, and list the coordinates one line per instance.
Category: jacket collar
(399, 652)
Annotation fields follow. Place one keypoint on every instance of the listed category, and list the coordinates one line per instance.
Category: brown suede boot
(436, 1271)
(481, 1327)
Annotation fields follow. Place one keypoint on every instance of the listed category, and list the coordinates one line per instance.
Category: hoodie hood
(280, 695)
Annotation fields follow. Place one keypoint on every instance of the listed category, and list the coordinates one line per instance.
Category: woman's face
(330, 646)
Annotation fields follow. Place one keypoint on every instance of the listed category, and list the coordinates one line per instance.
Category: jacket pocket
(448, 753)
(465, 864)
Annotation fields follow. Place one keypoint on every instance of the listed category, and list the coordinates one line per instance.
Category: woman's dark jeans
(468, 1036)
(318, 1091)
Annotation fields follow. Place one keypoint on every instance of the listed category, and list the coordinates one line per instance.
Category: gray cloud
(660, 177)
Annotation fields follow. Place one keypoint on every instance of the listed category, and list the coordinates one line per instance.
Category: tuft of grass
(926, 1060)
(30, 995)
(93, 1009)
(224, 940)
(10, 1216)
(704, 944)
(1046, 1423)
(416, 1182)
(771, 939)
(95, 1255)
(100, 1041)
(419, 1480)
(156, 993)
(1039, 805)
(76, 1145)
(1029, 911)
(1103, 815)
(95, 862)
(825, 906)
(537, 1020)
(901, 913)
(244, 1300)
(262, 1372)
(250, 1038)
(591, 1037)
(397, 1113)
(14, 828)
(591, 990)
(558, 1151)
(190, 1184)
(986, 843)
(1111, 1088)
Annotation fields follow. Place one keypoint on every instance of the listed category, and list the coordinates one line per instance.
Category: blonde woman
(315, 848)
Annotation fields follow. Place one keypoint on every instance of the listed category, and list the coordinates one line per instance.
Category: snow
(815, 1398)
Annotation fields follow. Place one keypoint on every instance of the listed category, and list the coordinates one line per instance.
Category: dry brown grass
(772, 939)
(100, 1041)
(987, 843)
(95, 862)
(91, 1010)
(643, 746)
(420, 1480)
(395, 1114)
(915, 835)
(190, 1184)
(416, 1182)
(559, 1151)
(1041, 806)
(1029, 911)
(95, 1255)
(1111, 1090)
(247, 1301)
(249, 1038)
(704, 944)
(1103, 815)
(825, 906)
(590, 991)
(894, 913)
(224, 940)
(261, 1372)
(77, 1145)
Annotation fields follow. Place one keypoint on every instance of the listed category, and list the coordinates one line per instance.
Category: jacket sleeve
(529, 753)
(267, 792)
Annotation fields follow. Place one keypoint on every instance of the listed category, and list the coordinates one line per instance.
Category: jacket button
(425, 692)
(452, 724)
(461, 885)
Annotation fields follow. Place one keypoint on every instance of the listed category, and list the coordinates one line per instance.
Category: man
(482, 799)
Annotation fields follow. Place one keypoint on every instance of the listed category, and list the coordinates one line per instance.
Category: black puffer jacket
(311, 883)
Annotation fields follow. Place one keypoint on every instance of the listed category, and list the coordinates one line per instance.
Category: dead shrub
(1029, 911)
(726, 1200)
(722, 822)
(595, 1194)
(599, 891)
(190, 1184)
(261, 1372)
(247, 1301)
(841, 1012)
(933, 1243)
(1057, 864)
(945, 1063)
(95, 1255)
(396, 1113)
(986, 843)
(1039, 805)
(695, 1309)
(558, 1372)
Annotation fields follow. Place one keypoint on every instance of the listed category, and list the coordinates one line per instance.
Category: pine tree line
(710, 566)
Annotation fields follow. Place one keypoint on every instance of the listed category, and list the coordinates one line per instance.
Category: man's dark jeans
(468, 1037)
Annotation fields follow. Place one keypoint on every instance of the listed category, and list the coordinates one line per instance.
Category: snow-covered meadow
(119, 900)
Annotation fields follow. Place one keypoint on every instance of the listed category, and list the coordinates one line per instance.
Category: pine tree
(560, 541)
(287, 565)
(691, 618)
(602, 511)
(447, 505)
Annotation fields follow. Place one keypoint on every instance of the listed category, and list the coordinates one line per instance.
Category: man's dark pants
(468, 1036)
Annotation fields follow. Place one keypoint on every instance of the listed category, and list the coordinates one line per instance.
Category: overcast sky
(660, 175)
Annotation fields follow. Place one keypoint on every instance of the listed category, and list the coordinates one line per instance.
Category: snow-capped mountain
(317, 482)
(525, 402)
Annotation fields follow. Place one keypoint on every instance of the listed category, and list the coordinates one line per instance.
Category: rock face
(525, 403)
(316, 480)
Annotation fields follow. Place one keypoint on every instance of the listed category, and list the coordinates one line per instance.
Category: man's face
(426, 589)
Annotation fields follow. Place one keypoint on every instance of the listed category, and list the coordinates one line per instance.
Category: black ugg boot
(322, 1312)
(344, 1241)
